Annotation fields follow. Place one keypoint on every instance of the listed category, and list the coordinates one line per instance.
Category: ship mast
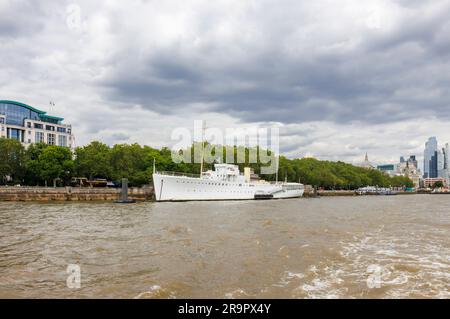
(203, 150)
(278, 167)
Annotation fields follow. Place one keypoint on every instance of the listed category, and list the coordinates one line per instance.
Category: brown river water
(357, 247)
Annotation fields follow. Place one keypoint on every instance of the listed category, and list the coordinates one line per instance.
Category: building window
(62, 140)
(61, 129)
(2, 120)
(16, 115)
(50, 128)
(39, 137)
(50, 139)
(15, 134)
(29, 124)
(38, 126)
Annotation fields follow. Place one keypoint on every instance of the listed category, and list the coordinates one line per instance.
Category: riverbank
(345, 193)
(49, 194)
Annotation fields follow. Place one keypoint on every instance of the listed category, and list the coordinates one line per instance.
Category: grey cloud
(20, 18)
(271, 85)
(297, 63)
(120, 136)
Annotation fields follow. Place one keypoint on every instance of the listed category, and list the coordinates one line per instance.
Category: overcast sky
(340, 78)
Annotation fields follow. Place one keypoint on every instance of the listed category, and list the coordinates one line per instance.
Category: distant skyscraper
(413, 161)
(443, 163)
(446, 151)
(430, 167)
(435, 164)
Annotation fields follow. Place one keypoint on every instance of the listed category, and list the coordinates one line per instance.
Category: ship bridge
(225, 172)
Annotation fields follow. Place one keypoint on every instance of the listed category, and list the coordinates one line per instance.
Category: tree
(129, 161)
(43, 163)
(439, 184)
(93, 161)
(55, 163)
(12, 161)
(33, 167)
(402, 181)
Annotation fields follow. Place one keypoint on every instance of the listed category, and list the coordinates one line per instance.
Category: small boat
(372, 190)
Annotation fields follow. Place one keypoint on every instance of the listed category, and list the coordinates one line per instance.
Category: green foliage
(336, 175)
(93, 160)
(402, 181)
(41, 164)
(55, 163)
(34, 165)
(129, 161)
(438, 184)
(48, 164)
(12, 161)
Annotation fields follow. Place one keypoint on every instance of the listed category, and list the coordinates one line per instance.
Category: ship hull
(178, 188)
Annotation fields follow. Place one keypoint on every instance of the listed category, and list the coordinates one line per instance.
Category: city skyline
(338, 81)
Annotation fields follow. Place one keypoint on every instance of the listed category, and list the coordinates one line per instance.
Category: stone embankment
(48, 194)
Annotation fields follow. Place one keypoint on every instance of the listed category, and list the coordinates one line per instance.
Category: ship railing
(179, 174)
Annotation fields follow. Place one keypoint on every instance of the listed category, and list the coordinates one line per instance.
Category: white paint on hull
(181, 188)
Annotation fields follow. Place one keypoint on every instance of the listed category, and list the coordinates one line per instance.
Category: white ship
(224, 183)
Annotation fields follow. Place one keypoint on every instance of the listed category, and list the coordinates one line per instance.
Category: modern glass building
(436, 161)
(30, 125)
(430, 168)
(386, 168)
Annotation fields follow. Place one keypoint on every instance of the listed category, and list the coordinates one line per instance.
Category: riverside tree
(438, 184)
(55, 164)
(93, 161)
(12, 161)
(33, 176)
(43, 164)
